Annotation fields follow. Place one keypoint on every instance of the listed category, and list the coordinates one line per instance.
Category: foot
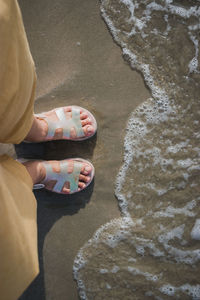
(37, 172)
(39, 129)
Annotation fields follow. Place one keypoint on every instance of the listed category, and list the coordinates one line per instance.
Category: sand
(77, 62)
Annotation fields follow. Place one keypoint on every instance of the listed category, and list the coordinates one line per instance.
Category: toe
(65, 190)
(86, 169)
(84, 178)
(83, 116)
(81, 185)
(86, 122)
(88, 130)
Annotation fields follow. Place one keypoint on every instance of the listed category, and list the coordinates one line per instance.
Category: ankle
(35, 170)
(38, 131)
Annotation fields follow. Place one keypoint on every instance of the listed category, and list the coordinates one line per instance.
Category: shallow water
(153, 251)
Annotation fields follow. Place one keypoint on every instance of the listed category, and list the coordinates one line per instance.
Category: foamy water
(153, 251)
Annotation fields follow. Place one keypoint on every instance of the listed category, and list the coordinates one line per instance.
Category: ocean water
(153, 250)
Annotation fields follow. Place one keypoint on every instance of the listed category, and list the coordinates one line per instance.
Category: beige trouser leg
(17, 76)
(18, 228)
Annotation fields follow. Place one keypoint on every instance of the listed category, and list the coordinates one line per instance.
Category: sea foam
(157, 239)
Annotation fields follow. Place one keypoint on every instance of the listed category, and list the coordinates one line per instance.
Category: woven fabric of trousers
(18, 227)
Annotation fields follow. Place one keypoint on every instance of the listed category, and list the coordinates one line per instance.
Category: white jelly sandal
(66, 124)
(63, 176)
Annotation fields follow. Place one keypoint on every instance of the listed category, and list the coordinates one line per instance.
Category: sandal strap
(38, 186)
(63, 176)
(64, 123)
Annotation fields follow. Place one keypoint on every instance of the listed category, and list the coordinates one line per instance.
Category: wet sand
(78, 63)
